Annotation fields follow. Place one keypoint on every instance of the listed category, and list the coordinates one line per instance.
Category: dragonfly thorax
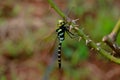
(61, 30)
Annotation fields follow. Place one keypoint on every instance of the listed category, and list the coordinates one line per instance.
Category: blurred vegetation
(97, 17)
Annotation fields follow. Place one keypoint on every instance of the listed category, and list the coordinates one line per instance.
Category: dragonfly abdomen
(59, 54)
(61, 34)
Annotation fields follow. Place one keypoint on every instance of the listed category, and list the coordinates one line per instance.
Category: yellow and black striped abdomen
(61, 37)
(59, 54)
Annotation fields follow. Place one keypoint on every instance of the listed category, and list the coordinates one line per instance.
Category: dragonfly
(63, 27)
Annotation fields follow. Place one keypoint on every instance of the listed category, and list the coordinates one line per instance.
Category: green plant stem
(96, 47)
(112, 45)
(115, 31)
(85, 37)
(111, 38)
(113, 35)
(55, 7)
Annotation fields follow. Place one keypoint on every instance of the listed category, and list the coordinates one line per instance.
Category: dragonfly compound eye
(61, 23)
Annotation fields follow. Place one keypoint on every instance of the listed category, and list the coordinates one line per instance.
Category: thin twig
(111, 38)
(112, 45)
(55, 7)
(96, 47)
(113, 35)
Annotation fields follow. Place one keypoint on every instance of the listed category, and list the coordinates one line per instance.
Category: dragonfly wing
(50, 67)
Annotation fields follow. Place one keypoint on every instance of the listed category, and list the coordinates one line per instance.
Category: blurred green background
(28, 40)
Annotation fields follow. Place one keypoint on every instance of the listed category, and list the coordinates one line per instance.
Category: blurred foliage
(75, 51)
(97, 17)
(26, 45)
(3, 78)
(76, 74)
(9, 10)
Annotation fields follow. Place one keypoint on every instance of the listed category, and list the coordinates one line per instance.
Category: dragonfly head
(61, 23)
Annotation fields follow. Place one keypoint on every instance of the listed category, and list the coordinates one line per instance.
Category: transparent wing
(50, 67)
